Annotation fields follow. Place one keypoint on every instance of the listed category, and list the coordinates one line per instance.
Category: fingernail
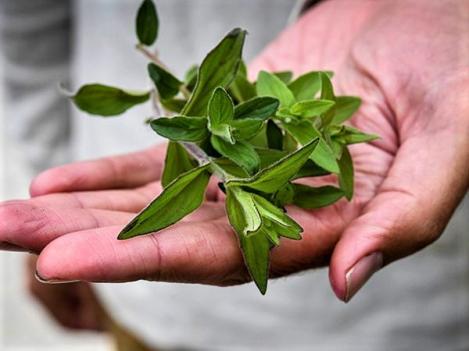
(359, 274)
(52, 281)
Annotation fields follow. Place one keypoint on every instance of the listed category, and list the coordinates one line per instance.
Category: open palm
(407, 183)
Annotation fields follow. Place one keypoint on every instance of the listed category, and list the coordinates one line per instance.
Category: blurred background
(24, 325)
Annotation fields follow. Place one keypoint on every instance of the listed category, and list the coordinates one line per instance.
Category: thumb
(412, 207)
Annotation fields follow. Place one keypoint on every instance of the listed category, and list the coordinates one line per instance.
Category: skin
(406, 59)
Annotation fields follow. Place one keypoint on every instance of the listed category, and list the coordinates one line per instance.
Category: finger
(123, 171)
(410, 211)
(30, 227)
(127, 200)
(204, 252)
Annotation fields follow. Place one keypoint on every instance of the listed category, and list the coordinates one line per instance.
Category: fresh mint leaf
(269, 85)
(311, 108)
(350, 135)
(190, 77)
(181, 128)
(257, 108)
(269, 156)
(147, 23)
(181, 197)
(173, 105)
(220, 108)
(310, 197)
(304, 131)
(259, 225)
(219, 68)
(103, 100)
(275, 220)
(241, 88)
(256, 253)
(272, 178)
(346, 178)
(244, 215)
(166, 84)
(327, 93)
(274, 136)
(284, 76)
(246, 128)
(310, 169)
(241, 153)
(306, 86)
(345, 108)
(177, 161)
(231, 168)
(221, 112)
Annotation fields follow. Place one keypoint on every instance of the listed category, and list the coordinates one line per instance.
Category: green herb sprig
(257, 138)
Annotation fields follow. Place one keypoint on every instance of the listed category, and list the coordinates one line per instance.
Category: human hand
(72, 305)
(408, 183)
(406, 59)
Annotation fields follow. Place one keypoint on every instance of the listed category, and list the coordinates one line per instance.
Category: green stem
(156, 60)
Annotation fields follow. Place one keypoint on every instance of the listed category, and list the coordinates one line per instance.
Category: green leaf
(256, 254)
(274, 136)
(269, 85)
(177, 161)
(310, 169)
(346, 179)
(257, 108)
(243, 214)
(259, 224)
(221, 112)
(272, 178)
(311, 108)
(284, 196)
(306, 86)
(247, 128)
(231, 168)
(327, 93)
(345, 107)
(181, 128)
(241, 153)
(190, 77)
(241, 88)
(147, 23)
(166, 84)
(103, 100)
(284, 76)
(275, 220)
(304, 131)
(349, 135)
(269, 156)
(309, 197)
(218, 68)
(174, 105)
(181, 197)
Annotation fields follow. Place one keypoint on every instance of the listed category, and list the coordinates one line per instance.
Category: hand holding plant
(302, 137)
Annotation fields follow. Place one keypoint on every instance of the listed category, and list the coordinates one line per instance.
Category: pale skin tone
(408, 60)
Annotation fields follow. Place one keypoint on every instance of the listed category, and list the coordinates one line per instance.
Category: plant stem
(152, 56)
(202, 158)
(193, 149)
(156, 60)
